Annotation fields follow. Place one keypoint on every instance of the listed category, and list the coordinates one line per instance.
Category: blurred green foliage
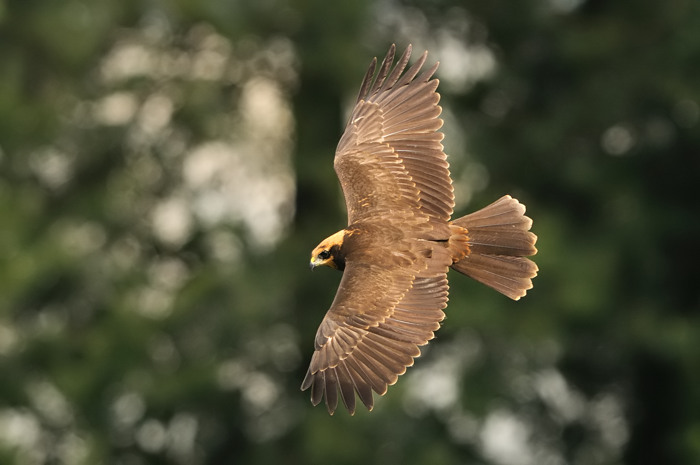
(166, 168)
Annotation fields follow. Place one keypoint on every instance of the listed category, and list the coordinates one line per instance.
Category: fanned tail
(490, 246)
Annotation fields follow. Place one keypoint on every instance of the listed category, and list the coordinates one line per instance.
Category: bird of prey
(400, 240)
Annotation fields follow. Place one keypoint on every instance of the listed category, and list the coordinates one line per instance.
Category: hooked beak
(312, 264)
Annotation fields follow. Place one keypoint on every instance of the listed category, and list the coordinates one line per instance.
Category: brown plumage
(400, 242)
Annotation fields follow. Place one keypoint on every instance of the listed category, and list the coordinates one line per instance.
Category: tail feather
(498, 240)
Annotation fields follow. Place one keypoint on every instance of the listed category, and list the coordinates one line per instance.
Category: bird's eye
(324, 255)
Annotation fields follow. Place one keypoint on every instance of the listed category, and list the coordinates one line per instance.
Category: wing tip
(375, 81)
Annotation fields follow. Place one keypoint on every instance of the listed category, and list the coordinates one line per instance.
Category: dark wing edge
(365, 352)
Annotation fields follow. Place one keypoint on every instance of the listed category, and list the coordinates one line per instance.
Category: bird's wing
(390, 157)
(383, 311)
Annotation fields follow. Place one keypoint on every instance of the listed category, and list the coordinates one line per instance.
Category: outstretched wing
(390, 157)
(383, 311)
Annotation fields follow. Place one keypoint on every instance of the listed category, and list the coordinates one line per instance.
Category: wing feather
(331, 389)
(347, 386)
(363, 351)
(361, 381)
(396, 119)
(383, 71)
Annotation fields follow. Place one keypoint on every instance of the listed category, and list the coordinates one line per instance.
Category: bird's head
(328, 252)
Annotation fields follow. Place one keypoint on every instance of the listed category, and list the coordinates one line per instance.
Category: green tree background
(166, 168)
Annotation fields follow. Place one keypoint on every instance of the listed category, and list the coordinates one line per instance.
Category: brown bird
(400, 241)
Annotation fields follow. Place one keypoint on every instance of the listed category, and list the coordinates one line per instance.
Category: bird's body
(400, 240)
